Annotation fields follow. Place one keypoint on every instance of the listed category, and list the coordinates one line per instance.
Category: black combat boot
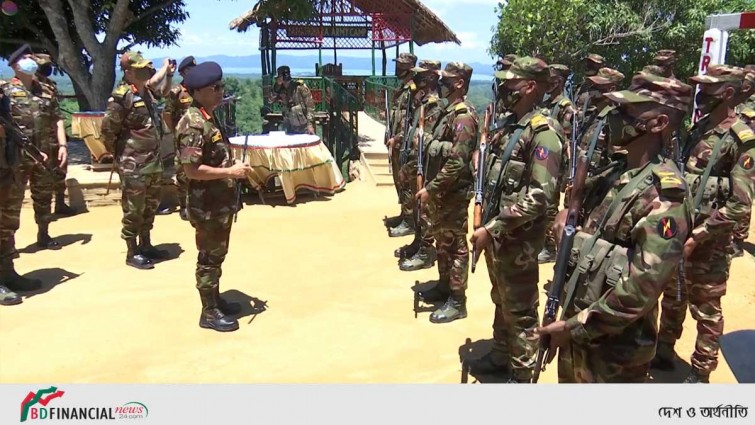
(393, 221)
(134, 258)
(183, 214)
(424, 258)
(225, 306)
(697, 377)
(454, 308)
(440, 292)
(149, 251)
(664, 357)
(60, 206)
(44, 241)
(407, 251)
(736, 249)
(404, 228)
(547, 255)
(491, 363)
(15, 282)
(8, 297)
(211, 316)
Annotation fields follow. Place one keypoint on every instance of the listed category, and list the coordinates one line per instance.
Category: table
(86, 125)
(300, 161)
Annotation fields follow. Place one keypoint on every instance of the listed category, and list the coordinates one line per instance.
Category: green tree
(85, 36)
(626, 32)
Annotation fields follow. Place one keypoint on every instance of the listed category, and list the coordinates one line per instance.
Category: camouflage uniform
(732, 182)
(128, 130)
(746, 113)
(37, 111)
(628, 250)
(177, 103)
(665, 60)
(297, 103)
(592, 64)
(404, 224)
(593, 117)
(560, 109)
(449, 185)
(528, 182)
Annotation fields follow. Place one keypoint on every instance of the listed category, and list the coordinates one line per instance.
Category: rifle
(406, 148)
(254, 184)
(14, 134)
(420, 169)
(480, 180)
(156, 122)
(565, 245)
(680, 163)
(239, 205)
(388, 127)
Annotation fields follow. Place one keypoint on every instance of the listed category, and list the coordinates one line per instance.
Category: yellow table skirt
(86, 125)
(300, 162)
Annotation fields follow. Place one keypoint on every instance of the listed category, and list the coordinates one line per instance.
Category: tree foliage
(626, 32)
(83, 36)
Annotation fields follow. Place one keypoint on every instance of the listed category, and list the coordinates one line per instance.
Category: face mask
(591, 72)
(707, 102)
(28, 66)
(402, 73)
(446, 88)
(546, 97)
(509, 97)
(622, 128)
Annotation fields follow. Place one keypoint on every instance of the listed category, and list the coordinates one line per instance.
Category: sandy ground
(338, 308)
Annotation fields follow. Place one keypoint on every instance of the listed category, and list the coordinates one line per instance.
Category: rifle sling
(594, 140)
(505, 159)
(590, 243)
(706, 174)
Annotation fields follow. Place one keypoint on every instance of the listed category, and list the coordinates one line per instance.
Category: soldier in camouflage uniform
(746, 112)
(207, 161)
(501, 114)
(666, 59)
(420, 254)
(630, 245)
(177, 103)
(723, 147)
(515, 234)
(59, 173)
(403, 224)
(594, 115)
(35, 108)
(297, 102)
(592, 64)
(15, 105)
(560, 109)
(129, 131)
(448, 191)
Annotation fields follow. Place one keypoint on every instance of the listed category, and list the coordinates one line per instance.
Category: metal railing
(342, 132)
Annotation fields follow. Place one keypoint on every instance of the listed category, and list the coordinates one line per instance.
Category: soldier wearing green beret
(629, 245)
(521, 176)
(721, 167)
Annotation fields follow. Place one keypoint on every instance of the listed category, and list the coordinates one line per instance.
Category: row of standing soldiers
(654, 207)
(33, 151)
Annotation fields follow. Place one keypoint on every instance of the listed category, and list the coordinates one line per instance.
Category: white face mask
(28, 66)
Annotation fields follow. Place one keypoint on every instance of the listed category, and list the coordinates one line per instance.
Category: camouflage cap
(407, 59)
(665, 57)
(750, 68)
(426, 65)
(607, 76)
(525, 68)
(720, 74)
(653, 69)
(455, 70)
(558, 69)
(134, 60)
(592, 57)
(647, 87)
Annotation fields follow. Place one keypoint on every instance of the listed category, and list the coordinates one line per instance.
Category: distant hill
(251, 64)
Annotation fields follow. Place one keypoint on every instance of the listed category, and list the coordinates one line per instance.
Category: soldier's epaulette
(743, 132)
(301, 83)
(670, 180)
(539, 122)
(605, 111)
(748, 113)
(564, 102)
(461, 108)
(431, 100)
(121, 91)
(412, 86)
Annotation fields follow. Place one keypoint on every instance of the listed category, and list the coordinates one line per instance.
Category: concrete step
(384, 180)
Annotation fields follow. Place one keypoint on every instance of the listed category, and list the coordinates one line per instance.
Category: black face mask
(624, 129)
(707, 102)
(509, 97)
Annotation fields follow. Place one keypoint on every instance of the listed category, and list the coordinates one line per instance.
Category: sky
(206, 32)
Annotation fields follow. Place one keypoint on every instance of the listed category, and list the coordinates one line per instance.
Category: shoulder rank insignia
(217, 137)
(564, 102)
(667, 227)
(460, 108)
(746, 134)
(539, 122)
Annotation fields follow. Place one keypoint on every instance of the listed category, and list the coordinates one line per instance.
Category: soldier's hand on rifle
(480, 239)
(475, 159)
(62, 157)
(240, 170)
(423, 195)
(560, 337)
(44, 157)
